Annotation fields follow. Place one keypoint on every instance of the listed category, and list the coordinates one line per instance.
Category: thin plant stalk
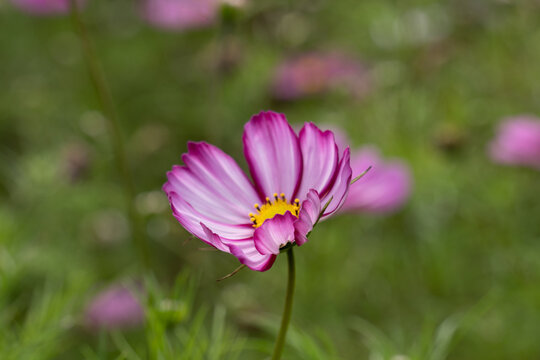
(107, 106)
(287, 310)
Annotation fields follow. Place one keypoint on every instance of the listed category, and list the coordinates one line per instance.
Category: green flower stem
(286, 318)
(107, 106)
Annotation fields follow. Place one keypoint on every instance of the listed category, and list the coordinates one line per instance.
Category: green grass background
(454, 275)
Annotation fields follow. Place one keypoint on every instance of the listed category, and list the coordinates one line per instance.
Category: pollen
(272, 207)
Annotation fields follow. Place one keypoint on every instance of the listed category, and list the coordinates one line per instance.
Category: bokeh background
(453, 272)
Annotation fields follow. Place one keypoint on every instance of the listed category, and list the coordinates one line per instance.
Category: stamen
(278, 206)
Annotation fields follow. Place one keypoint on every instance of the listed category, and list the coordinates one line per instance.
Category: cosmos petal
(214, 239)
(308, 216)
(244, 250)
(273, 154)
(248, 255)
(213, 184)
(320, 160)
(191, 219)
(274, 233)
(338, 192)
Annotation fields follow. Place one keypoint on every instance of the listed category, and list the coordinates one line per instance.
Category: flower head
(517, 142)
(315, 73)
(294, 177)
(44, 7)
(114, 308)
(180, 14)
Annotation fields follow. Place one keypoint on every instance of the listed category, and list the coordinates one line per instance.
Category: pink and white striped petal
(213, 184)
(273, 154)
(191, 218)
(248, 255)
(244, 250)
(338, 192)
(309, 214)
(274, 233)
(320, 160)
(214, 239)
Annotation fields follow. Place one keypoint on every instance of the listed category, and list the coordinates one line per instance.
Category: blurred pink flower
(180, 14)
(385, 188)
(315, 73)
(114, 308)
(294, 177)
(45, 7)
(517, 142)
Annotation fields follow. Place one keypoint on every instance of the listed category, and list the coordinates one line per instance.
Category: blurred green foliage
(454, 275)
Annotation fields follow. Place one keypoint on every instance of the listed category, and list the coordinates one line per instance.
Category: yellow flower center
(269, 209)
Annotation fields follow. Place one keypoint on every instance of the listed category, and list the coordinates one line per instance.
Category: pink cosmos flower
(180, 14)
(294, 177)
(115, 308)
(315, 73)
(517, 142)
(44, 7)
